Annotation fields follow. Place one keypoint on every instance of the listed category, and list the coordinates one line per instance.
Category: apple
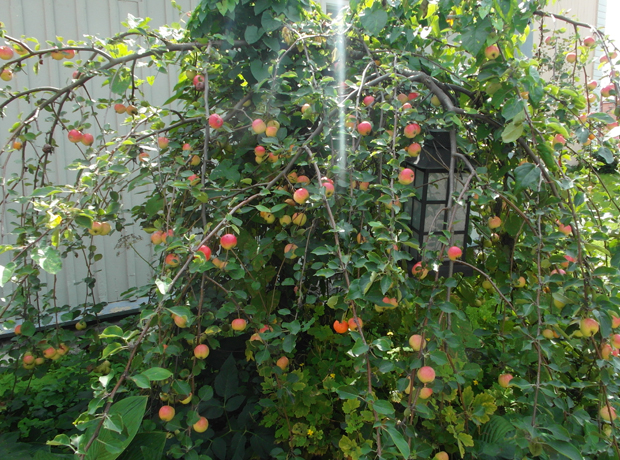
(491, 52)
(158, 237)
(106, 228)
(364, 128)
(413, 95)
(120, 108)
(425, 393)
(354, 323)
(592, 85)
(416, 342)
(520, 282)
(571, 57)
(589, 42)
(341, 327)
(193, 179)
(406, 176)
(180, 321)
(172, 260)
(163, 142)
(412, 130)
(6, 53)
(549, 40)
(282, 362)
(608, 90)
(566, 229)
(57, 55)
(303, 180)
(548, 334)
(186, 147)
(68, 54)
(329, 189)
(407, 106)
(166, 413)
(414, 149)
(39, 361)
(17, 145)
(495, 222)
(199, 82)
(299, 218)
(419, 271)
(272, 157)
(364, 185)
(216, 121)
(301, 196)
(201, 425)
(49, 352)
(80, 325)
(402, 98)
(131, 110)
(441, 456)
(96, 228)
(426, 374)
(454, 253)
(435, 101)
(260, 151)
(74, 136)
(285, 220)
(368, 100)
(28, 358)
(604, 59)
(289, 250)
(62, 349)
(238, 324)
(6, 75)
(588, 327)
(615, 340)
(201, 351)
(18, 329)
(228, 241)
(569, 260)
(306, 108)
(259, 126)
(20, 50)
(88, 139)
(268, 217)
(195, 160)
(608, 413)
(504, 380)
(486, 284)
(615, 320)
(206, 251)
(558, 140)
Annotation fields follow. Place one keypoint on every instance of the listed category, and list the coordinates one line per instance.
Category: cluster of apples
(76, 136)
(342, 327)
(30, 361)
(167, 413)
(128, 109)
(100, 228)
(6, 53)
(227, 242)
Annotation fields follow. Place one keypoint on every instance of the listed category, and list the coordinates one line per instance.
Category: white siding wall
(72, 19)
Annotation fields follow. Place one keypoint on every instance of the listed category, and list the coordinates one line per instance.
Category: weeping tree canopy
(294, 310)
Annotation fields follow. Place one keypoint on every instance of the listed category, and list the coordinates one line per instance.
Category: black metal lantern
(428, 211)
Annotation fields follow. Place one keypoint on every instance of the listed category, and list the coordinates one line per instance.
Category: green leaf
(145, 446)
(28, 329)
(399, 440)
(383, 407)
(253, 34)
(111, 349)
(565, 448)
(512, 132)
(6, 272)
(512, 108)
(111, 331)
(526, 176)
(157, 373)
(141, 381)
(83, 220)
(474, 38)
(121, 81)
(48, 259)
(606, 155)
(259, 71)
(558, 128)
(374, 21)
(347, 392)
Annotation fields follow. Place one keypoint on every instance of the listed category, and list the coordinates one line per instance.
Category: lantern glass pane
(416, 215)
(418, 181)
(432, 242)
(437, 187)
(435, 217)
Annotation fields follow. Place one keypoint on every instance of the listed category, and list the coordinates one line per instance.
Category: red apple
(441, 456)
(571, 57)
(282, 362)
(364, 185)
(199, 82)
(608, 413)
(425, 393)
(589, 42)
(301, 196)
(215, 121)
(588, 327)
(131, 109)
(289, 251)
(201, 351)
(406, 176)
(615, 321)
(592, 85)
(305, 108)
(615, 340)
(193, 179)
(504, 380)
(6, 53)
(454, 253)
(368, 100)
(416, 342)
(495, 222)
(163, 142)
(228, 241)
(407, 106)
(173, 260)
(259, 126)
(419, 271)
(303, 180)
(569, 260)
(260, 151)
(413, 95)
(364, 128)
(186, 147)
(158, 237)
(412, 130)
(239, 324)
(549, 40)
(402, 98)
(201, 425)
(18, 329)
(491, 52)
(120, 108)
(180, 321)
(206, 251)
(74, 136)
(558, 140)
(608, 90)
(88, 139)
(166, 413)
(414, 149)
(565, 229)
(426, 374)
(329, 189)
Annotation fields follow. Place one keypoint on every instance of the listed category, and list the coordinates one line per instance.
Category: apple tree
(292, 312)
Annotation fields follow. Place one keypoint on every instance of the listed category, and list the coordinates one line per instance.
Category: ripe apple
(57, 55)
(606, 351)
(303, 180)
(615, 340)
(163, 142)
(131, 110)
(199, 82)
(589, 42)
(193, 179)
(608, 90)
(364, 185)
(172, 260)
(406, 176)
(239, 324)
(416, 342)
(6, 75)
(426, 374)
(17, 145)
(282, 362)
(195, 160)
(353, 324)
(18, 329)
(268, 217)
(272, 157)
(454, 253)
(569, 260)
(299, 218)
(615, 320)
(39, 361)
(260, 151)
(495, 222)
(166, 413)
(364, 128)
(180, 321)
(504, 380)
(120, 108)
(74, 136)
(96, 228)
(88, 139)
(566, 229)
(412, 130)
(491, 52)
(402, 98)
(571, 57)
(289, 250)
(414, 149)
(604, 59)
(186, 147)
(520, 282)
(592, 85)
(548, 334)
(558, 140)
(549, 40)
(206, 251)
(588, 327)
(228, 241)
(329, 189)
(419, 271)
(28, 358)
(106, 228)
(301, 196)
(49, 352)
(201, 351)
(413, 95)
(425, 393)
(201, 425)
(306, 108)
(68, 54)
(441, 456)
(407, 106)
(285, 220)
(259, 126)
(341, 327)
(368, 100)
(215, 121)
(6, 53)
(608, 413)
(158, 237)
